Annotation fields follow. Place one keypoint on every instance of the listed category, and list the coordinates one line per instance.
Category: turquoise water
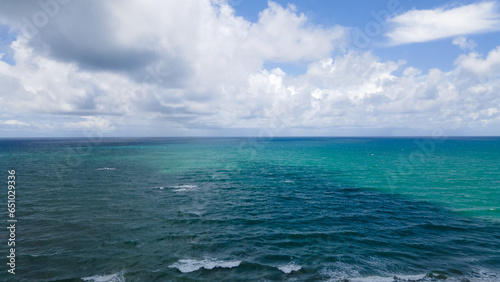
(327, 209)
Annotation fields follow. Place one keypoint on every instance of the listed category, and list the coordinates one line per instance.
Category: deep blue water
(215, 209)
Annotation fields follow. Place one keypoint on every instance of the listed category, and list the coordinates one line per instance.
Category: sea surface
(253, 209)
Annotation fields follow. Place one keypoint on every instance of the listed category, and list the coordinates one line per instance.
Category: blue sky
(439, 53)
(6, 38)
(240, 67)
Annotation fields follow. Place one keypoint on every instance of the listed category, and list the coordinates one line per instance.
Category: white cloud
(200, 63)
(208, 77)
(473, 62)
(282, 35)
(426, 25)
(91, 122)
(464, 43)
(15, 123)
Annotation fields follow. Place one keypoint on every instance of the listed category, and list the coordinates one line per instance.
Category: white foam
(372, 279)
(339, 271)
(389, 279)
(106, 168)
(289, 267)
(116, 277)
(484, 275)
(198, 213)
(185, 186)
(181, 188)
(411, 277)
(190, 265)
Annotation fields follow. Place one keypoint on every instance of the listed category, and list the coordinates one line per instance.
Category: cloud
(485, 67)
(130, 36)
(278, 29)
(91, 122)
(464, 43)
(87, 46)
(208, 77)
(15, 123)
(426, 25)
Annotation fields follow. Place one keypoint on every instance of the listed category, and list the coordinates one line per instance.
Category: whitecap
(372, 279)
(339, 271)
(289, 267)
(185, 186)
(197, 213)
(106, 168)
(399, 278)
(411, 277)
(484, 275)
(116, 277)
(190, 265)
(181, 188)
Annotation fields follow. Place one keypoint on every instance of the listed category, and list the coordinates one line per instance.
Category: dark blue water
(217, 209)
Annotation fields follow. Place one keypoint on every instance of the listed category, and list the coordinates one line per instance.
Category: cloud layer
(165, 68)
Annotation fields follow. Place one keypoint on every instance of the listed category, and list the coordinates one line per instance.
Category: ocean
(253, 209)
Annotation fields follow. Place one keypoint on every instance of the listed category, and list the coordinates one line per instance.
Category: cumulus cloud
(486, 67)
(195, 68)
(130, 36)
(357, 90)
(426, 25)
(78, 31)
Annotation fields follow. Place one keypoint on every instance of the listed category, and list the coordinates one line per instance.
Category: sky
(73, 68)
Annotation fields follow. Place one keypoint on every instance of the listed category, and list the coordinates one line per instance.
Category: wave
(430, 277)
(341, 271)
(178, 188)
(116, 277)
(190, 265)
(350, 275)
(479, 209)
(106, 168)
(182, 188)
(289, 267)
(484, 275)
(399, 278)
